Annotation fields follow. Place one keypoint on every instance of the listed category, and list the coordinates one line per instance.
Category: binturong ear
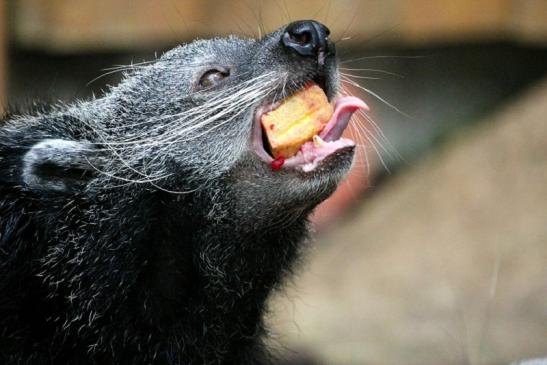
(58, 165)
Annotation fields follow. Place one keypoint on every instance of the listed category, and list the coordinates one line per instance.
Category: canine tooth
(318, 141)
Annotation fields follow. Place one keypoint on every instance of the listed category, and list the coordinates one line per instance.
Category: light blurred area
(434, 251)
(444, 264)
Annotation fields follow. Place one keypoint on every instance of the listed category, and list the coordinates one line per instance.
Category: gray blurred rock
(532, 362)
(444, 265)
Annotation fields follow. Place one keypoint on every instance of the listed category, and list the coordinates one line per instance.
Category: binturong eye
(213, 77)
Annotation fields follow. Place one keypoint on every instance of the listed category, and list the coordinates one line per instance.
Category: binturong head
(191, 118)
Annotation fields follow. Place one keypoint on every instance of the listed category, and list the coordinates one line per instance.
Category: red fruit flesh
(278, 163)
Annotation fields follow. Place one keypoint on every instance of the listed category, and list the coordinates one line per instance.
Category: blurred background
(435, 249)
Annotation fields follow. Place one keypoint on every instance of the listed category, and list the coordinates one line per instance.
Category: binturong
(150, 225)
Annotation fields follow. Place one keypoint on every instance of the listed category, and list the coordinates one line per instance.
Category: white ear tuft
(58, 165)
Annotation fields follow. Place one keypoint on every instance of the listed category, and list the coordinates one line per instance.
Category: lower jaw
(309, 157)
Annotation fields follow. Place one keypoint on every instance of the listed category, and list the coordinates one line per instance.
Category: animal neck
(164, 285)
(210, 279)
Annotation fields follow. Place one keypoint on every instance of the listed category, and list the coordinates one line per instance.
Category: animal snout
(308, 38)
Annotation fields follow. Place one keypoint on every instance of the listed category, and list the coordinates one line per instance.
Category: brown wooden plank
(67, 25)
(530, 20)
(426, 20)
(70, 25)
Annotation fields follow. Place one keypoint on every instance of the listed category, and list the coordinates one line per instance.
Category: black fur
(102, 264)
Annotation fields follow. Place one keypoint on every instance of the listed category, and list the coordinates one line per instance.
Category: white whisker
(348, 80)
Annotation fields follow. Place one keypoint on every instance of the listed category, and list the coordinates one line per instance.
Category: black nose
(308, 38)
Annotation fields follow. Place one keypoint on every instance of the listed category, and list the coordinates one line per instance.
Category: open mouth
(303, 129)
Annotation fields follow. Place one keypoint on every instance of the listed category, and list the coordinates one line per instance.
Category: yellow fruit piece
(299, 117)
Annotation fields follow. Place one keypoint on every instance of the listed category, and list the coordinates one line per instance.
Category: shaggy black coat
(141, 227)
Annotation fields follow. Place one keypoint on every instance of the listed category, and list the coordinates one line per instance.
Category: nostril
(302, 38)
(306, 37)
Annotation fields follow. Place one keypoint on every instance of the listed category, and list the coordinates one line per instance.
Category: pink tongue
(343, 110)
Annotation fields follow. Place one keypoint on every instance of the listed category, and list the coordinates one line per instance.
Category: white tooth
(318, 141)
